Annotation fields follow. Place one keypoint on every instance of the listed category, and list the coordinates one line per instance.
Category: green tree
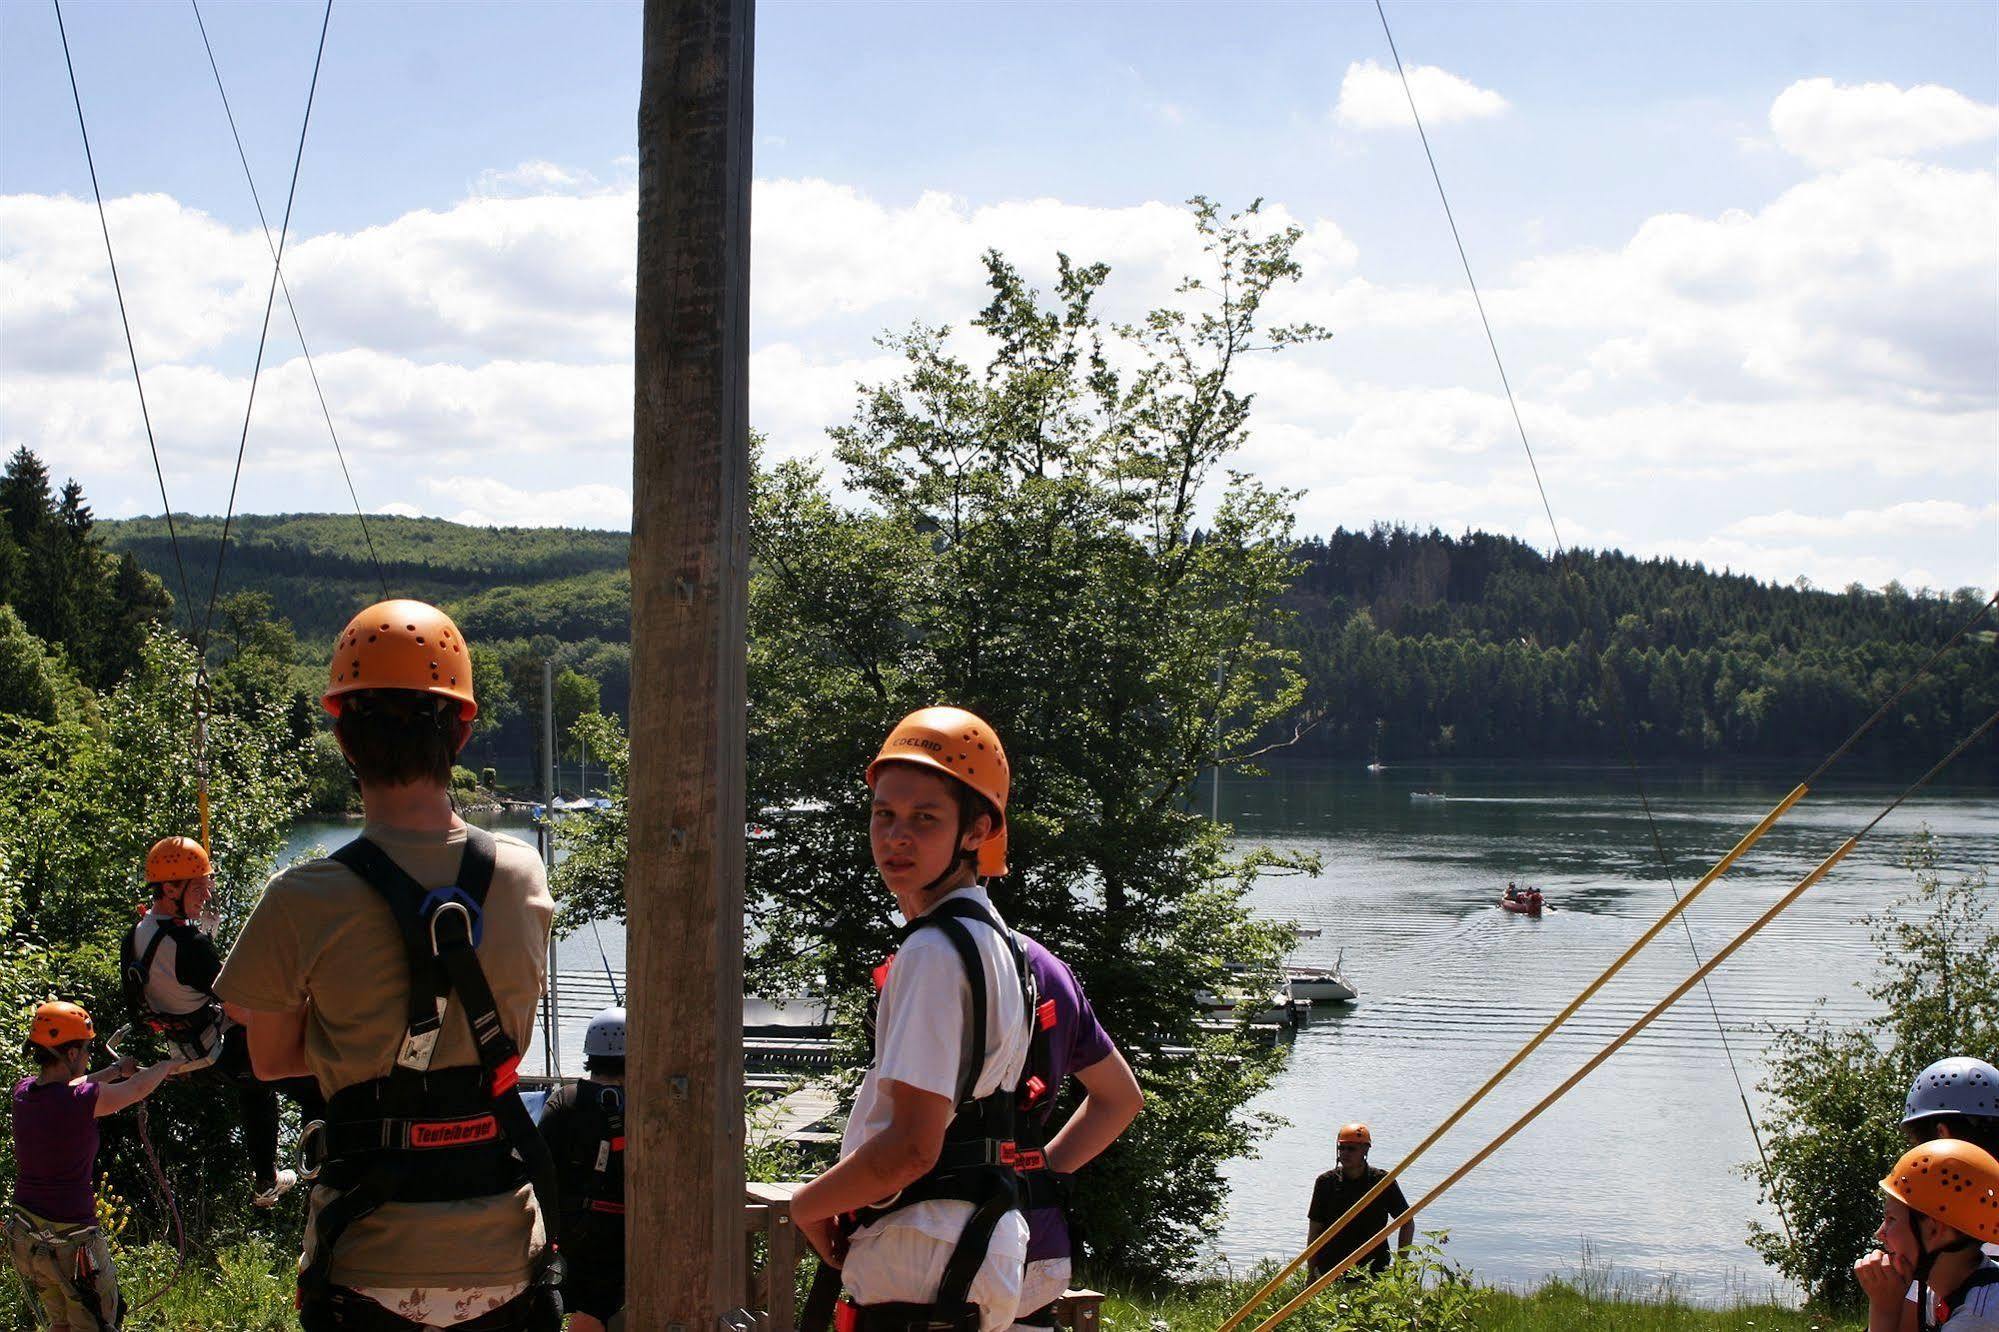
(79, 805)
(1838, 1090)
(1025, 544)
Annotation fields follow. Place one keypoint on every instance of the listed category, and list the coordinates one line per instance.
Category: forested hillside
(1432, 645)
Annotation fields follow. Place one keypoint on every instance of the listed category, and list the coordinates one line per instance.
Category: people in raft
(1339, 1189)
(169, 965)
(936, 1238)
(1955, 1098)
(52, 1234)
(584, 1125)
(403, 973)
(1941, 1200)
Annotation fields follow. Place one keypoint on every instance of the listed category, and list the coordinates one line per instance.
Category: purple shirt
(1077, 1040)
(55, 1147)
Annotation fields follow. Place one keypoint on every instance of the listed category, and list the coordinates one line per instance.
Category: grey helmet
(606, 1037)
(1957, 1086)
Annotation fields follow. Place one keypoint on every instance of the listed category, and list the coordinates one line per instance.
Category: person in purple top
(52, 1232)
(1069, 1041)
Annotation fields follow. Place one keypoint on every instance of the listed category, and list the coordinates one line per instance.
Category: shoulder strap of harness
(440, 929)
(1982, 1276)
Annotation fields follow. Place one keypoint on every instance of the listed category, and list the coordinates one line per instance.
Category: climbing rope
(1595, 1061)
(145, 1134)
(1680, 904)
(297, 328)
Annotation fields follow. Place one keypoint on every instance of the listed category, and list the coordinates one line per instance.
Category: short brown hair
(399, 737)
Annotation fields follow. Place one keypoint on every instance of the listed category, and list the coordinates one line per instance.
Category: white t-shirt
(920, 1035)
(164, 992)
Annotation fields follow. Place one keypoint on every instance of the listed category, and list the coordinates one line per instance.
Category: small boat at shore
(1320, 985)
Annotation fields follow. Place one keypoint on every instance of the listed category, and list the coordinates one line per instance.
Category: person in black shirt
(584, 1126)
(1343, 1186)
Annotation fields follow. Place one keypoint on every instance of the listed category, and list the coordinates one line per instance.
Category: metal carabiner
(313, 1131)
(439, 910)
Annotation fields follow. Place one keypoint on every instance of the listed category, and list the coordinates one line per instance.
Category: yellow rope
(1721, 867)
(1305, 1296)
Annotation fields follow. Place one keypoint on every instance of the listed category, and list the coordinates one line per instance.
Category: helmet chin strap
(958, 861)
(1926, 1261)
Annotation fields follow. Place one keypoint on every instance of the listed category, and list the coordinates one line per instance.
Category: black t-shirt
(1331, 1196)
(581, 1128)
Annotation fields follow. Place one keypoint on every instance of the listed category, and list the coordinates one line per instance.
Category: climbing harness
(195, 1035)
(1596, 1061)
(419, 1135)
(592, 1186)
(70, 1254)
(977, 1164)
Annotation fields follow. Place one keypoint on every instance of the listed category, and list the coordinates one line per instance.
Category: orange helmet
(58, 1022)
(401, 645)
(1950, 1181)
(175, 858)
(1356, 1133)
(959, 745)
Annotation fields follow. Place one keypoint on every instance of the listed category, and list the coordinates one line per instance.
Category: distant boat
(1376, 767)
(1527, 904)
(1428, 795)
(1320, 985)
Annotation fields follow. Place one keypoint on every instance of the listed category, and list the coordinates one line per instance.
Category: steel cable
(263, 336)
(290, 305)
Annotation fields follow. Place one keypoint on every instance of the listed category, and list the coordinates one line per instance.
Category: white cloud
(1911, 517)
(1836, 124)
(493, 503)
(537, 177)
(1371, 97)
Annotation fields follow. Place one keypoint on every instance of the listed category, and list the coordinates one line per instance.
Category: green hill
(1471, 646)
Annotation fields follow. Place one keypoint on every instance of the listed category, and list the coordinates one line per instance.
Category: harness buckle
(313, 1133)
(505, 1077)
(443, 906)
(420, 1043)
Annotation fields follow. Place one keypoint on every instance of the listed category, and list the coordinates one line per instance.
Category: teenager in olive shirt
(1343, 1186)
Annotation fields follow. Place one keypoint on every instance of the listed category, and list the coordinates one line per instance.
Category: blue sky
(1740, 258)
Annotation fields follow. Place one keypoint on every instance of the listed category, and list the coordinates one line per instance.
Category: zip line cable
(1680, 904)
(290, 306)
(159, 473)
(1623, 722)
(263, 336)
(1595, 1061)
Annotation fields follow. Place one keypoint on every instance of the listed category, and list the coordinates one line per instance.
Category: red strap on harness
(1036, 1089)
(608, 1208)
(427, 1134)
(880, 973)
(846, 1317)
(618, 1143)
(1044, 1015)
(506, 1076)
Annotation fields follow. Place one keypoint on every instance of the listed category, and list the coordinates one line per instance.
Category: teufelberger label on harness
(455, 1132)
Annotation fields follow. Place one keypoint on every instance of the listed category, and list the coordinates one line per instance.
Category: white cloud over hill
(1803, 386)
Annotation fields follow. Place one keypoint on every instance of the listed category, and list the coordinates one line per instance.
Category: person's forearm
(1408, 1235)
(1091, 1129)
(878, 1168)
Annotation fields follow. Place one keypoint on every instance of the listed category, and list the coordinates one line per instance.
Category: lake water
(1641, 1159)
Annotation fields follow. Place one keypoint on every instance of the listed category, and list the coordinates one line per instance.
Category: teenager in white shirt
(919, 1182)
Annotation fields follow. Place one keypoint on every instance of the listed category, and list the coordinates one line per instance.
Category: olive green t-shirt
(322, 936)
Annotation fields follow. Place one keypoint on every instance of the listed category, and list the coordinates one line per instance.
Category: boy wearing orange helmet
(931, 1233)
(1941, 1202)
(403, 973)
(1340, 1188)
(169, 964)
(52, 1232)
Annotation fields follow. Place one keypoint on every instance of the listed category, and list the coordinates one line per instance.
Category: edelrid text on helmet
(401, 645)
(963, 747)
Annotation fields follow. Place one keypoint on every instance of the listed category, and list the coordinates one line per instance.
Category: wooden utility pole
(690, 515)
